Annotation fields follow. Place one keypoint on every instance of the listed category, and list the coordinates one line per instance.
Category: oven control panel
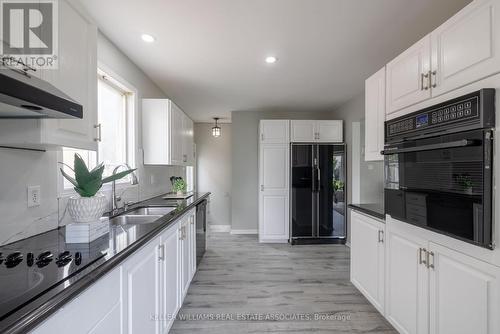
(452, 114)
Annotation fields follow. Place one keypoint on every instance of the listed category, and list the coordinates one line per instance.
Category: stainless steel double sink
(142, 215)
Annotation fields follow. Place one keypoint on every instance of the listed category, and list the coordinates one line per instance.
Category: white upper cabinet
(466, 48)
(303, 131)
(374, 115)
(188, 141)
(328, 131)
(76, 76)
(368, 258)
(274, 131)
(167, 134)
(408, 76)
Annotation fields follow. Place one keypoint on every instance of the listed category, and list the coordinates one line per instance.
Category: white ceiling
(209, 54)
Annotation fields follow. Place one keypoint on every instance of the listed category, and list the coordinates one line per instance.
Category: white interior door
(329, 131)
(273, 195)
(407, 83)
(406, 284)
(466, 48)
(464, 294)
(367, 258)
(303, 131)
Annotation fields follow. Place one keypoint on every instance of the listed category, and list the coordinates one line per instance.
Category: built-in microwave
(439, 167)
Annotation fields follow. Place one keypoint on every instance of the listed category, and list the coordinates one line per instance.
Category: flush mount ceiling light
(216, 129)
(147, 38)
(271, 59)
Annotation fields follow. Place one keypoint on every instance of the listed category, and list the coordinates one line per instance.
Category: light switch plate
(33, 196)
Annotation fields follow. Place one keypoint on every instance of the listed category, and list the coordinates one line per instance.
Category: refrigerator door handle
(313, 183)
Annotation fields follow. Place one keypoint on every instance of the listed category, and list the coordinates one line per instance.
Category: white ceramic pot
(87, 209)
(180, 193)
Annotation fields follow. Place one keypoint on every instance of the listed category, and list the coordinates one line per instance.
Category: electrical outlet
(33, 196)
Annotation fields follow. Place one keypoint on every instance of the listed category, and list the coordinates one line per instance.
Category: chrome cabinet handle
(433, 74)
(161, 249)
(422, 77)
(180, 233)
(99, 132)
(380, 236)
(429, 263)
(261, 187)
(422, 259)
(184, 158)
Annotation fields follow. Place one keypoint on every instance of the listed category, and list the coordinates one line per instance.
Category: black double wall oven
(439, 167)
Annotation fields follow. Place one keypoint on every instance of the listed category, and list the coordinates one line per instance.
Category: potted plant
(465, 183)
(338, 186)
(179, 186)
(89, 205)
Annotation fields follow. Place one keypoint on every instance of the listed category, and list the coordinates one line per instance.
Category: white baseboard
(219, 228)
(252, 231)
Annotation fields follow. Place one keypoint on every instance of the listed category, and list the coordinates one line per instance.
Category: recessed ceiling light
(271, 59)
(147, 38)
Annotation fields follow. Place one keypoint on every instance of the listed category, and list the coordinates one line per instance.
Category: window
(115, 117)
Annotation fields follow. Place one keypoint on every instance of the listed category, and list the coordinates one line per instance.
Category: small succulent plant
(179, 185)
(88, 182)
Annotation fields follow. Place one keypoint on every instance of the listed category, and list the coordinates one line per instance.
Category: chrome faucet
(115, 199)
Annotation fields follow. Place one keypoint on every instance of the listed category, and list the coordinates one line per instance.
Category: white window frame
(131, 105)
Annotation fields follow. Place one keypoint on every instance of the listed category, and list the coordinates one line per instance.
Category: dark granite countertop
(373, 209)
(116, 246)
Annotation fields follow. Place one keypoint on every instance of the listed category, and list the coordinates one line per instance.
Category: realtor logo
(29, 33)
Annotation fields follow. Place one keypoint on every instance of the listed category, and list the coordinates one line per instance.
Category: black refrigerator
(318, 193)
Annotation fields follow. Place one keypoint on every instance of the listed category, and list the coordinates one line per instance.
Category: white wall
(214, 170)
(19, 169)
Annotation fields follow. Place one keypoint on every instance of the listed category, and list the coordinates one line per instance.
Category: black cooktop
(32, 266)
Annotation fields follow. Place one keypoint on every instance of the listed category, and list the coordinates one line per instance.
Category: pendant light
(216, 129)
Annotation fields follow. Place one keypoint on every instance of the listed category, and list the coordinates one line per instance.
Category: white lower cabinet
(433, 289)
(96, 310)
(464, 294)
(143, 295)
(368, 257)
(406, 283)
(141, 290)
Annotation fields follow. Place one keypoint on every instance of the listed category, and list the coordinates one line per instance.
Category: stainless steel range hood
(23, 95)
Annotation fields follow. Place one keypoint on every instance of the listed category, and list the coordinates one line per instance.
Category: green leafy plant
(179, 185)
(88, 182)
(338, 185)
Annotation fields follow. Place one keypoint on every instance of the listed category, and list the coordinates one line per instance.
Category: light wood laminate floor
(275, 288)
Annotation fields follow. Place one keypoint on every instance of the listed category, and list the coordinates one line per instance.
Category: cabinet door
(176, 135)
(192, 241)
(76, 76)
(466, 48)
(141, 286)
(406, 302)
(100, 305)
(274, 131)
(187, 143)
(185, 276)
(464, 294)
(374, 115)
(329, 131)
(273, 195)
(303, 131)
(367, 258)
(407, 83)
(170, 284)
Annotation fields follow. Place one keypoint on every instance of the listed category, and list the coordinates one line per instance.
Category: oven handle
(440, 146)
